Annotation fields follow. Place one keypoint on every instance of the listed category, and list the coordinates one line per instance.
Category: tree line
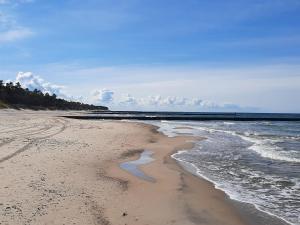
(13, 95)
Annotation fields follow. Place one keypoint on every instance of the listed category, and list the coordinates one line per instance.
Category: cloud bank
(158, 102)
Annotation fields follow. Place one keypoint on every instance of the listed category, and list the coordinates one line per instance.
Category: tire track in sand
(24, 134)
(62, 127)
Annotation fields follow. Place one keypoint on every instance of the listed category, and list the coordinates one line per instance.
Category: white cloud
(103, 96)
(186, 103)
(151, 100)
(196, 101)
(158, 102)
(161, 101)
(31, 81)
(204, 103)
(171, 100)
(127, 99)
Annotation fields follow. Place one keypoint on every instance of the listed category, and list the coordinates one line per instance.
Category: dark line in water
(198, 117)
(193, 113)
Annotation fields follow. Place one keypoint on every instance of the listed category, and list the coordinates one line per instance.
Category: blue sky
(191, 55)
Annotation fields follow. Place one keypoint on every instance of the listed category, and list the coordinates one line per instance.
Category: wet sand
(177, 197)
(55, 170)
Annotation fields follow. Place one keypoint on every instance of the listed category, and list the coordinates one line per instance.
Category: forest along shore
(56, 170)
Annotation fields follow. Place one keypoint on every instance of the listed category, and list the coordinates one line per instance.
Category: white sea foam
(231, 191)
(264, 147)
(260, 194)
(267, 149)
(271, 153)
(228, 123)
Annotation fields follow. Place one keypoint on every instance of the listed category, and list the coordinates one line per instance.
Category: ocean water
(253, 162)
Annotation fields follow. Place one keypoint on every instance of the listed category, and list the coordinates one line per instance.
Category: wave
(265, 191)
(271, 153)
(231, 193)
(262, 145)
(267, 149)
(212, 130)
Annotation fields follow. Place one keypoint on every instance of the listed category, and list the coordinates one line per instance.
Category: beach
(56, 170)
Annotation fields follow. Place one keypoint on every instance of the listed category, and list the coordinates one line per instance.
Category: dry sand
(62, 171)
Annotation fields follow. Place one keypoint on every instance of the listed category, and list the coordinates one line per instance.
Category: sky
(171, 55)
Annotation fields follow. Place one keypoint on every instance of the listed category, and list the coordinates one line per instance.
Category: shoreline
(200, 201)
(248, 210)
(248, 213)
(64, 171)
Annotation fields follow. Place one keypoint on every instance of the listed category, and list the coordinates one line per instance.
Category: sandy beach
(55, 170)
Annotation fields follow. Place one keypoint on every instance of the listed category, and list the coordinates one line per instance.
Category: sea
(256, 162)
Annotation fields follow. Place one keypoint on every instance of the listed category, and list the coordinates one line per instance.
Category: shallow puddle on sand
(133, 166)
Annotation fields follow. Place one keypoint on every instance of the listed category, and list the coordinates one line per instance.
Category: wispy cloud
(15, 1)
(10, 28)
(15, 34)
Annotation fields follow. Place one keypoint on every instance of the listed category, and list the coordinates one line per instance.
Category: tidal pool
(133, 166)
